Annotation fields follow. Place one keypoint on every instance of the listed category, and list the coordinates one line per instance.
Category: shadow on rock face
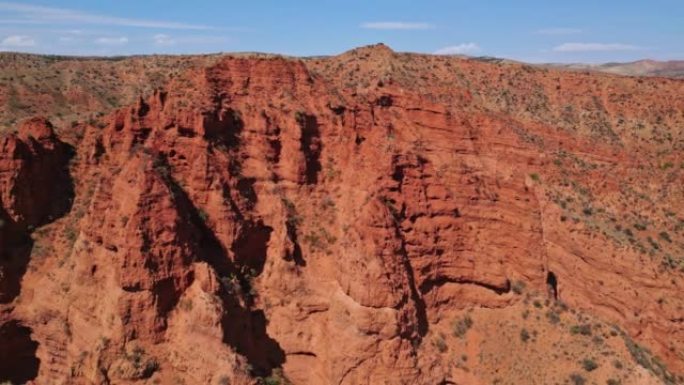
(251, 246)
(15, 252)
(43, 188)
(245, 330)
(18, 361)
(43, 191)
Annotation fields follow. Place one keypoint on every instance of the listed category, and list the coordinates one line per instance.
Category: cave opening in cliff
(552, 284)
(18, 361)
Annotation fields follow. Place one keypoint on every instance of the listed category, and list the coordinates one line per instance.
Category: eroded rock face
(35, 188)
(258, 218)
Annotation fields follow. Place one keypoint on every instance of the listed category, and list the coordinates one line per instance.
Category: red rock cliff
(275, 217)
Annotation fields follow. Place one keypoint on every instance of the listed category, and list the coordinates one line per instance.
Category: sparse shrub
(293, 218)
(612, 381)
(440, 343)
(224, 380)
(577, 379)
(589, 365)
(644, 358)
(587, 211)
(461, 326)
(535, 177)
(186, 304)
(518, 287)
(300, 117)
(389, 203)
(537, 304)
(665, 236)
(653, 243)
(524, 335)
(666, 165)
(202, 215)
(640, 226)
(146, 365)
(276, 378)
(553, 316)
(270, 380)
(584, 330)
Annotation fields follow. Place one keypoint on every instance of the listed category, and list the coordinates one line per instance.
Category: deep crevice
(418, 301)
(310, 146)
(296, 254)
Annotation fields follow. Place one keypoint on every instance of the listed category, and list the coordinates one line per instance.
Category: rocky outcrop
(259, 218)
(35, 188)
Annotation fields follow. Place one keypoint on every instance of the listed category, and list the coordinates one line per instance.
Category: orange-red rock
(326, 218)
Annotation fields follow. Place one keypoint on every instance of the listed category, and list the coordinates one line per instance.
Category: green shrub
(665, 236)
(553, 316)
(589, 365)
(440, 343)
(577, 379)
(640, 226)
(645, 359)
(518, 287)
(584, 330)
(461, 326)
(653, 243)
(524, 335)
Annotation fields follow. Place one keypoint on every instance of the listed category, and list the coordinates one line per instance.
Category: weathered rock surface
(322, 220)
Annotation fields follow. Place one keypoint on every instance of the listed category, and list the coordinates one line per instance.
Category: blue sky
(527, 30)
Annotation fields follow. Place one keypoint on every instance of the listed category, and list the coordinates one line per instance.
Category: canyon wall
(320, 220)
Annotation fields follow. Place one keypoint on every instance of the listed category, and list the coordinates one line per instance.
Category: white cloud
(163, 39)
(396, 25)
(121, 40)
(18, 41)
(67, 39)
(559, 31)
(463, 48)
(594, 47)
(35, 14)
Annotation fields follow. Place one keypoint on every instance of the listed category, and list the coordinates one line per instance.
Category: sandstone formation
(370, 218)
